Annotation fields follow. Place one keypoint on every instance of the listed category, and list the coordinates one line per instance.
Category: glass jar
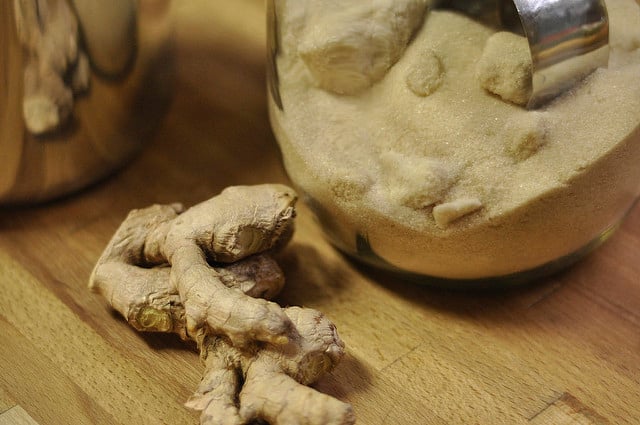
(84, 84)
(412, 165)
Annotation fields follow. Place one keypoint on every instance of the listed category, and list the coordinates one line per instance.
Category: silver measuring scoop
(568, 40)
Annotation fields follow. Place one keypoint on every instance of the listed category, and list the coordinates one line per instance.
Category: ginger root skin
(239, 222)
(273, 378)
(207, 273)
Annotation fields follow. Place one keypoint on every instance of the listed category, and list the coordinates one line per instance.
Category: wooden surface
(563, 351)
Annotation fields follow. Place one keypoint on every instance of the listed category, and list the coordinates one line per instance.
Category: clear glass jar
(411, 166)
(84, 84)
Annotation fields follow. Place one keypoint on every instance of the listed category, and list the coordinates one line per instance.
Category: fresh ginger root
(273, 377)
(238, 223)
(206, 274)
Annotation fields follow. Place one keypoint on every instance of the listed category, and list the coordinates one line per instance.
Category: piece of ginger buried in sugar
(206, 274)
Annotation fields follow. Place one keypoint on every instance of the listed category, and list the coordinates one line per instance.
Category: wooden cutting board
(563, 351)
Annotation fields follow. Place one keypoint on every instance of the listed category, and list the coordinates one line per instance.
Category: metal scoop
(568, 39)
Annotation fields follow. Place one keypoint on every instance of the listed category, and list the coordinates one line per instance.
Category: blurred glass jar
(552, 218)
(84, 84)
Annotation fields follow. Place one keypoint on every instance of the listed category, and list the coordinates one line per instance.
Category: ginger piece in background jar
(505, 68)
(351, 45)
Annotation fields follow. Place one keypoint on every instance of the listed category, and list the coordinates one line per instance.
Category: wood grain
(16, 416)
(565, 350)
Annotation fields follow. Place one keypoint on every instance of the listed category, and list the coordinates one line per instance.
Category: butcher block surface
(565, 350)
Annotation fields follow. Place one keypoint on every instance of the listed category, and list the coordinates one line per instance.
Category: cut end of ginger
(445, 214)
(41, 114)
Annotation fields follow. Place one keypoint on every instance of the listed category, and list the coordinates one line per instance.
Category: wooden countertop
(563, 351)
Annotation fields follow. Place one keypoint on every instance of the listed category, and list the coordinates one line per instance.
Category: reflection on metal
(273, 47)
(483, 10)
(109, 34)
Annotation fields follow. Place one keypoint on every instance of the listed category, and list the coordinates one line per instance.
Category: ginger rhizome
(207, 274)
(56, 68)
(272, 377)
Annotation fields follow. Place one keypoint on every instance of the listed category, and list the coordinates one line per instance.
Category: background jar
(126, 44)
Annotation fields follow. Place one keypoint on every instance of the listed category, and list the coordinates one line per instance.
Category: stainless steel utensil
(568, 39)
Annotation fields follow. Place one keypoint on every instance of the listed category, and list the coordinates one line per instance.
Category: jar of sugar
(408, 130)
